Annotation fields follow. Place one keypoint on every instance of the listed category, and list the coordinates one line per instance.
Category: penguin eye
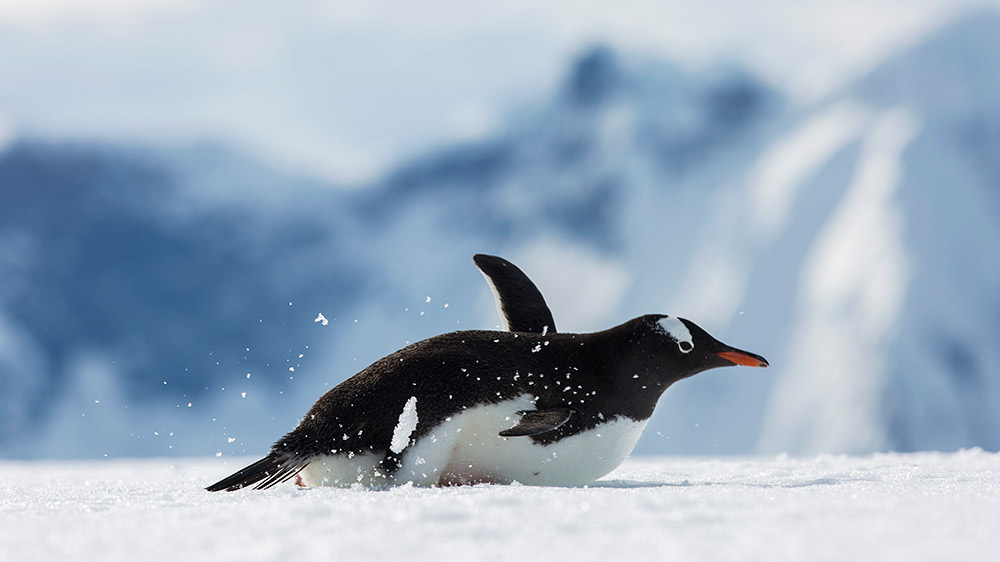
(686, 346)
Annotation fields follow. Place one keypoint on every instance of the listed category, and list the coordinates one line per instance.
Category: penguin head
(684, 349)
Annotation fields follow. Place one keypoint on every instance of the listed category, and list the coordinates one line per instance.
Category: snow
(924, 506)
(785, 165)
(859, 267)
(407, 423)
(583, 288)
(859, 257)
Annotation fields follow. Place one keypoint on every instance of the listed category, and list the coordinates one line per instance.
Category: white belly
(467, 449)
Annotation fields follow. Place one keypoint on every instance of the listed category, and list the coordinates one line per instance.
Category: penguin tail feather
(273, 469)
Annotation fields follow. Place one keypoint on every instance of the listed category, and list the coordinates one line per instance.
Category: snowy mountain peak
(595, 77)
(912, 201)
(952, 72)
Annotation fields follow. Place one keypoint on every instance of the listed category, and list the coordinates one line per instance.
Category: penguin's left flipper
(534, 422)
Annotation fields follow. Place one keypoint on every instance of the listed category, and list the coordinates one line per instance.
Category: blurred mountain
(897, 297)
(157, 302)
(128, 279)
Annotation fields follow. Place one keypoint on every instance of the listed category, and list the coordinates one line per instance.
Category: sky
(342, 91)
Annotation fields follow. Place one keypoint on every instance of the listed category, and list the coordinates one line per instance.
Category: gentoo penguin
(529, 405)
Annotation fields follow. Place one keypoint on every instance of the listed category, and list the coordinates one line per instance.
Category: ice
(914, 507)
(407, 423)
(786, 164)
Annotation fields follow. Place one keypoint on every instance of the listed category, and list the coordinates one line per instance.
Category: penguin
(528, 404)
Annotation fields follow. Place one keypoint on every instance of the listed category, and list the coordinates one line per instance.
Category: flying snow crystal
(407, 423)
(321, 319)
(243, 394)
(677, 330)
(428, 299)
(230, 439)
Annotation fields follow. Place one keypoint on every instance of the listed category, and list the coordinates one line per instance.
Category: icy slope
(911, 507)
(869, 254)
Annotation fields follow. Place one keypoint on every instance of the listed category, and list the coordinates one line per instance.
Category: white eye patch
(679, 332)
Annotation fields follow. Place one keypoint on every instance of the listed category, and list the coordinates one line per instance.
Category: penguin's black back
(456, 371)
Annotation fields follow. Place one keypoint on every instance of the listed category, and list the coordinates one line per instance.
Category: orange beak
(743, 358)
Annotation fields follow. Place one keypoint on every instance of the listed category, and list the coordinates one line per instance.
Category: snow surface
(923, 506)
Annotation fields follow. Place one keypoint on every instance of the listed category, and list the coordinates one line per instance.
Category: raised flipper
(520, 303)
(534, 422)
